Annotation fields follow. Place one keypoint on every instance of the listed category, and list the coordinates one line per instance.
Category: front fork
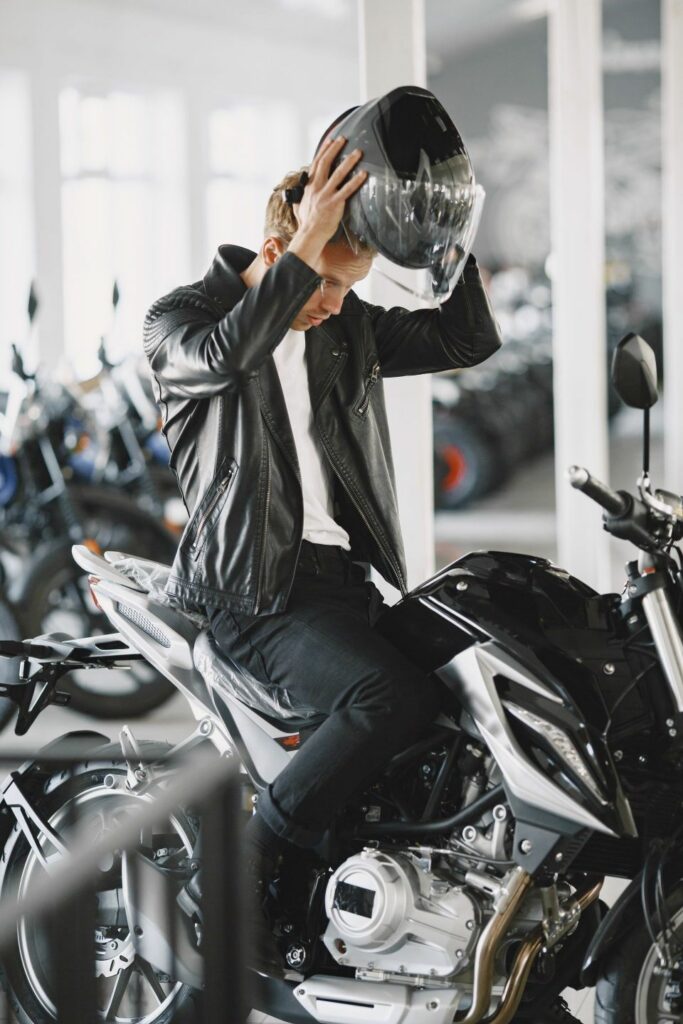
(651, 585)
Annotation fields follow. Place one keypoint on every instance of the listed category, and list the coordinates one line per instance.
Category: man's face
(340, 269)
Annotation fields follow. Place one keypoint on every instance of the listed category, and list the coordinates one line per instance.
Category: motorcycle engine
(390, 912)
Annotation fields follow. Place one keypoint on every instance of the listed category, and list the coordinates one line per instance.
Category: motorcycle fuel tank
(527, 602)
(515, 639)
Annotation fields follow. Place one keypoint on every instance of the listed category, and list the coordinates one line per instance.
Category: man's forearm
(308, 246)
(467, 317)
(197, 358)
(462, 332)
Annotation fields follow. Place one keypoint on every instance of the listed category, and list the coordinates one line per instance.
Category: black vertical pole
(223, 927)
(646, 441)
(71, 930)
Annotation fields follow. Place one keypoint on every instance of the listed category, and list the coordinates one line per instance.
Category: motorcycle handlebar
(11, 648)
(613, 502)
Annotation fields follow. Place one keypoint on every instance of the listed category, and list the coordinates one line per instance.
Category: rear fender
(76, 743)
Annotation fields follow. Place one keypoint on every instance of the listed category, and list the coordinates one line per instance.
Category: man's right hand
(322, 207)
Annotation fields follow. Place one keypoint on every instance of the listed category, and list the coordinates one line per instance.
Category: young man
(269, 375)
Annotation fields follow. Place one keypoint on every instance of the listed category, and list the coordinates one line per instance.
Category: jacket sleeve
(461, 332)
(197, 350)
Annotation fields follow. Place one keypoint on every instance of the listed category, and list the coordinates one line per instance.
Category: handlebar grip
(613, 502)
(12, 648)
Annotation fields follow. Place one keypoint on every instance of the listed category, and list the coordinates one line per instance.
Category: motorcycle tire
(629, 991)
(56, 598)
(9, 667)
(25, 965)
(464, 464)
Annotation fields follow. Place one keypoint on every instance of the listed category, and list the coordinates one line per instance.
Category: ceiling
(452, 26)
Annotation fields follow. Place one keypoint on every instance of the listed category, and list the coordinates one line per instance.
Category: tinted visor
(412, 125)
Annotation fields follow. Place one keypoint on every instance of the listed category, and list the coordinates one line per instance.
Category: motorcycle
(42, 512)
(126, 448)
(463, 884)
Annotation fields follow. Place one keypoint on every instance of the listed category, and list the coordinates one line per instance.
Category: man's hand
(322, 207)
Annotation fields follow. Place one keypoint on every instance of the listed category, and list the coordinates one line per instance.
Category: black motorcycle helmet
(420, 205)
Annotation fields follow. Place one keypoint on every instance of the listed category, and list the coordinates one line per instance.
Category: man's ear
(272, 249)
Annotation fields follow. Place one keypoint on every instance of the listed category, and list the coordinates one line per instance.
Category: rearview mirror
(634, 372)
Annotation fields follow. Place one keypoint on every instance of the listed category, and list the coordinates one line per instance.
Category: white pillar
(393, 53)
(577, 246)
(47, 199)
(672, 238)
(197, 177)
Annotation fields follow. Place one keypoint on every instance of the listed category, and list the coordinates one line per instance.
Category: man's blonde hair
(280, 219)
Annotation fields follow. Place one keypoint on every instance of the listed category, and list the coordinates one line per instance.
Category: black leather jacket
(232, 449)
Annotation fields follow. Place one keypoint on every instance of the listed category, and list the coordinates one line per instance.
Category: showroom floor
(519, 517)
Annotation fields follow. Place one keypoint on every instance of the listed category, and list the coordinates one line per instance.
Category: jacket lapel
(325, 356)
(275, 412)
(326, 351)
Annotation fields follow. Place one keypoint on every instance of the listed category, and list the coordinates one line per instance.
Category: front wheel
(465, 463)
(631, 989)
(129, 989)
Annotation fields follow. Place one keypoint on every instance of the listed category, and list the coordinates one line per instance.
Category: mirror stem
(646, 441)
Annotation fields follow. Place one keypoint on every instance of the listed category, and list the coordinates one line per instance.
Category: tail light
(92, 580)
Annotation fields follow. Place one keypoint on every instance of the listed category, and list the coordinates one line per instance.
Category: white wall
(202, 63)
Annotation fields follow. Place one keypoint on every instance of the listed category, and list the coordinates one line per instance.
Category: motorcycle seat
(117, 567)
(274, 703)
(135, 573)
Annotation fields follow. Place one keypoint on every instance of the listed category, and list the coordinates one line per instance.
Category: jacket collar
(222, 280)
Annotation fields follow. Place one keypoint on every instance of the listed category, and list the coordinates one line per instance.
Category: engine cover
(386, 912)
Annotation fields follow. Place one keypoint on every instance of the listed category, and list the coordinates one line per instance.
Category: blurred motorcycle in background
(81, 465)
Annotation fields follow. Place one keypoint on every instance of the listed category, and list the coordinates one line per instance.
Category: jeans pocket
(226, 625)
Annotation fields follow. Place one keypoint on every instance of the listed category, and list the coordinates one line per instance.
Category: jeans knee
(430, 698)
(415, 700)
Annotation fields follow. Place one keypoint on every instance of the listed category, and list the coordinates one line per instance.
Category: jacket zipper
(383, 547)
(361, 409)
(257, 606)
(220, 491)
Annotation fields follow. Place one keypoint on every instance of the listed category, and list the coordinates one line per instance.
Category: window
(251, 147)
(124, 216)
(16, 218)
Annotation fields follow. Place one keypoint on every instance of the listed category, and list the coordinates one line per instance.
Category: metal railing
(87, 839)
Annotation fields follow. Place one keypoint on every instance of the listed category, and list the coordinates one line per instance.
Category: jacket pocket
(371, 378)
(209, 509)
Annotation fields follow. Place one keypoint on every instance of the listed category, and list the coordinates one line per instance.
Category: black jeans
(324, 649)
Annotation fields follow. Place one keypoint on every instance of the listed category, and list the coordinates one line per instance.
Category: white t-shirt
(316, 481)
